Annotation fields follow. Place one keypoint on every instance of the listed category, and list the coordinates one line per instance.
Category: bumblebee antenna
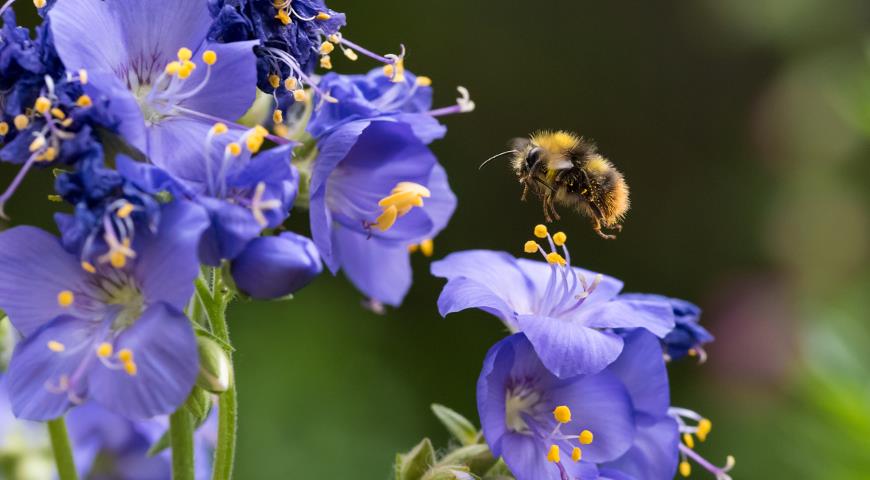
(496, 156)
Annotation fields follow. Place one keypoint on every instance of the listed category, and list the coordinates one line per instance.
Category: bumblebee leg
(545, 203)
(525, 191)
(597, 227)
(553, 208)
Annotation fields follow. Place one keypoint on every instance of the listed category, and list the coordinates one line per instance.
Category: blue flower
(166, 84)
(545, 427)
(108, 328)
(376, 189)
(688, 336)
(567, 313)
(274, 267)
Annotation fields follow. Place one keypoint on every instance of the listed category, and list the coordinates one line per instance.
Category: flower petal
(497, 271)
(641, 367)
(568, 348)
(442, 204)
(378, 270)
(462, 293)
(539, 273)
(164, 350)
(491, 387)
(654, 454)
(232, 227)
(657, 317)
(232, 85)
(276, 266)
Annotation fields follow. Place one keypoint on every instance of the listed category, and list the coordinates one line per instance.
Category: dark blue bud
(274, 267)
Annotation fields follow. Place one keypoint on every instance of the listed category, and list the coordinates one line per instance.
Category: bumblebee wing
(558, 162)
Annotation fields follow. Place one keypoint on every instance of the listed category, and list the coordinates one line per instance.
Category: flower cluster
(580, 389)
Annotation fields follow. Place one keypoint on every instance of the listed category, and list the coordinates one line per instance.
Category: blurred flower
(687, 337)
(274, 267)
(110, 329)
(565, 312)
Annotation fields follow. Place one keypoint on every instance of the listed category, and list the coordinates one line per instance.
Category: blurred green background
(742, 127)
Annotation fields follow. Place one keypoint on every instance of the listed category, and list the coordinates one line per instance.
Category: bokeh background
(743, 128)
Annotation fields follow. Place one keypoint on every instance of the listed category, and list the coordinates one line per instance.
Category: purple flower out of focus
(109, 328)
(567, 313)
(546, 427)
(688, 336)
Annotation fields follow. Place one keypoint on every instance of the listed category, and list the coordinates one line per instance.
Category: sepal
(458, 426)
(414, 464)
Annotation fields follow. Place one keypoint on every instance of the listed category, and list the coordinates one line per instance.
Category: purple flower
(375, 190)
(109, 328)
(166, 83)
(688, 336)
(567, 313)
(274, 267)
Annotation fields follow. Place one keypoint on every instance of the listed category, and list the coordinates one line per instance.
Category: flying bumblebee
(565, 169)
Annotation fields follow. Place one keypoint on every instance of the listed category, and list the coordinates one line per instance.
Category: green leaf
(457, 425)
(160, 445)
(199, 405)
(205, 333)
(414, 464)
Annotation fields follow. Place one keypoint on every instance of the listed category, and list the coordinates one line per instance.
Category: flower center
(163, 97)
(402, 198)
(517, 405)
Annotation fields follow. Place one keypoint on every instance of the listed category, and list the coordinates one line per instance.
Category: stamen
(586, 437)
(84, 101)
(540, 231)
(553, 454)
(427, 247)
(464, 104)
(562, 414)
(403, 197)
(559, 238)
(576, 454)
(531, 246)
(42, 105)
(277, 116)
(4, 128)
(56, 346)
(125, 210)
(209, 57)
(689, 440)
(83, 76)
(104, 350)
(274, 80)
(258, 206)
(685, 468)
(386, 219)
(39, 3)
(184, 54)
(20, 121)
(423, 81)
(554, 258)
(65, 298)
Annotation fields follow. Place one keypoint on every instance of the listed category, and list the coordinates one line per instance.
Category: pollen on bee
(56, 346)
(65, 298)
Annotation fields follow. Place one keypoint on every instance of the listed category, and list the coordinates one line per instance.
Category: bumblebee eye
(533, 157)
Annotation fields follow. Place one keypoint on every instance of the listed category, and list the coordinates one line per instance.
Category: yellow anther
(84, 101)
(586, 437)
(125, 355)
(58, 113)
(530, 247)
(427, 247)
(290, 83)
(42, 104)
(559, 238)
(423, 81)
(254, 142)
(66, 123)
(104, 350)
(172, 68)
(689, 440)
(554, 258)
(186, 69)
(274, 80)
(281, 130)
(350, 54)
(83, 76)
(704, 427)
(37, 143)
(576, 454)
(55, 198)
(326, 62)
(299, 95)
(283, 17)
(685, 468)
(218, 128)
(125, 210)
(88, 267)
(209, 57)
(413, 248)
(130, 368)
(48, 155)
(260, 130)
(56, 346)
(386, 219)
(4, 128)
(21, 122)
(234, 149)
(39, 3)
(323, 16)
(541, 231)
(389, 70)
(334, 38)
(692, 352)
(326, 48)
(117, 259)
(65, 298)
(553, 454)
(562, 414)
(184, 54)
(278, 116)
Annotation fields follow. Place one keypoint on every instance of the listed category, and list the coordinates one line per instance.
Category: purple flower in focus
(276, 266)
(567, 313)
(111, 328)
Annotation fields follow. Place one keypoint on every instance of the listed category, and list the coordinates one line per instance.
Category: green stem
(63, 458)
(181, 440)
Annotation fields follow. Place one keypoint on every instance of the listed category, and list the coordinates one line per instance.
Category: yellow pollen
(172, 68)
(386, 219)
(560, 238)
(413, 248)
(186, 69)
(125, 210)
(685, 468)
(65, 298)
(326, 48)
(576, 454)
(423, 81)
(350, 54)
(704, 427)
(562, 414)
(39, 3)
(66, 123)
(37, 143)
(541, 231)
(104, 350)
(48, 155)
(130, 368)
(290, 83)
(125, 355)
(55, 198)
(21, 122)
(299, 95)
(254, 142)
(4, 128)
(56, 346)
(427, 247)
(84, 101)
(260, 130)
(388, 70)
(209, 57)
(334, 38)
(83, 76)
(689, 440)
(234, 149)
(323, 16)
(184, 54)
(274, 80)
(58, 113)
(42, 104)
(530, 247)
(326, 62)
(554, 258)
(586, 437)
(278, 116)
(553, 454)
(88, 267)
(117, 259)
(692, 352)
(281, 130)
(283, 17)
(218, 128)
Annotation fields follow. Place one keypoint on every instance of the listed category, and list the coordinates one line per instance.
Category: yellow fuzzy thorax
(597, 164)
(556, 142)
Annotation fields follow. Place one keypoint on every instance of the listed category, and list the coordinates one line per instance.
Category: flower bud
(274, 267)
(215, 369)
(478, 458)
(414, 464)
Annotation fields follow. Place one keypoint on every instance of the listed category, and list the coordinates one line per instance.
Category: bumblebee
(565, 169)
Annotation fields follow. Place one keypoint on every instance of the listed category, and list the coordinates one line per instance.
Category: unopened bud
(215, 370)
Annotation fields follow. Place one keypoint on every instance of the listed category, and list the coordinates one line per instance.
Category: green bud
(457, 425)
(476, 457)
(414, 464)
(215, 369)
(499, 471)
(448, 472)
(199, 405)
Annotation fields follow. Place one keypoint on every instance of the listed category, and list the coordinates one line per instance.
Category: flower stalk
(181, 437)
(60, 445)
